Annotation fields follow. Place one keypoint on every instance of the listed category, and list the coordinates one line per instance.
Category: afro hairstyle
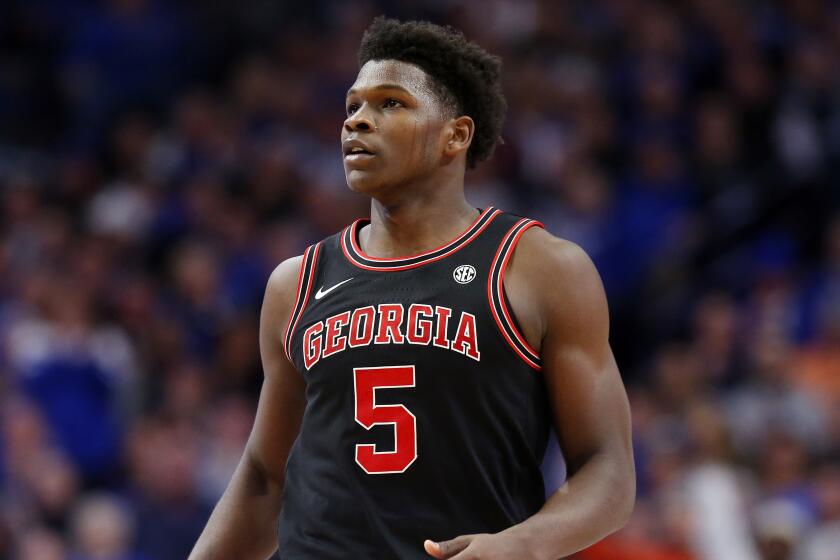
(463, 75)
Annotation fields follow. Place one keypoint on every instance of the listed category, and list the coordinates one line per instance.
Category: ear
(459, 136)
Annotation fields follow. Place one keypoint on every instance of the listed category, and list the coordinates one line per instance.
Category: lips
(357, 154)
(354, 147)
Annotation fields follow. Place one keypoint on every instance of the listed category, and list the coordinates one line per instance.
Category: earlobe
(452, 148)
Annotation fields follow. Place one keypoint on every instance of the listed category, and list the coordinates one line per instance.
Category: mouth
(358, 159)
(358, 156)
(359, 162)
(356, 151)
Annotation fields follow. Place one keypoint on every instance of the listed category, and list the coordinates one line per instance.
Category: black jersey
(426, 413)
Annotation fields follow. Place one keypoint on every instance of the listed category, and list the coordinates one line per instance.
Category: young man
(414, 362)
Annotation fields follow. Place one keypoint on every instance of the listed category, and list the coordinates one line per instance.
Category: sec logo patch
(464, 274)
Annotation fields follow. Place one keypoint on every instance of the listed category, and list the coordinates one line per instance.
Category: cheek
(423, 141)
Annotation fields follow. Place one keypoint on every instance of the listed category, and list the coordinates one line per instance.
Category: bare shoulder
(547, 259)
(280, 294)
(540, 244)
(561, 280)
(282, 285)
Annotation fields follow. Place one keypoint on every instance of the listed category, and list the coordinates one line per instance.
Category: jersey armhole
(499, 305)
(306, 278)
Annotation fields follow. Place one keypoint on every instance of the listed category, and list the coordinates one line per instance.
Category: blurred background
(159, 158)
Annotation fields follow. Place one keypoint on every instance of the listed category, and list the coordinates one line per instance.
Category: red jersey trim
(495, 294)
(306, 279)
(356, 257)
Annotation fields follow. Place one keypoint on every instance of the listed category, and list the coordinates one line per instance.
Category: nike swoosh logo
(322, 292)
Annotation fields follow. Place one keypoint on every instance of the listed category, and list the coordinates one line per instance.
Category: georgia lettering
(389, 323)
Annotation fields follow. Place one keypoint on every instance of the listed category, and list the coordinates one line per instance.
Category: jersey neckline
(354, 254)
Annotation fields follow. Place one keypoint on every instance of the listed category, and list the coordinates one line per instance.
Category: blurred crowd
(158, 159)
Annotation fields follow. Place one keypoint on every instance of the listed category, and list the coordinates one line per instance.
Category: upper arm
(282, 398)
(568, 314)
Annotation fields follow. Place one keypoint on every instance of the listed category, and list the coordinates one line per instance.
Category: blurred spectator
(823, 541)
(716, 498)
(770, 403)
(779, 525)
(716, 337)
(230, 425)
(127, 52)
(40, 544)
(102, 530)
(75, 371)
(163, 467)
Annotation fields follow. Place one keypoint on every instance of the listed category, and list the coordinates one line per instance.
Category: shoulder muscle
(280, 294)
(560, 286)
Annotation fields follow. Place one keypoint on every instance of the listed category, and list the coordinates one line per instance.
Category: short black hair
(465, 77)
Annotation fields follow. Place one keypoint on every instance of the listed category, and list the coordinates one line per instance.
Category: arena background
(158, 159)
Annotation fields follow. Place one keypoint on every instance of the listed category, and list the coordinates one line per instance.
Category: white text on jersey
(389, 324)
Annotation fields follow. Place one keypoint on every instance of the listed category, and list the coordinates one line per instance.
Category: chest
(410, 311)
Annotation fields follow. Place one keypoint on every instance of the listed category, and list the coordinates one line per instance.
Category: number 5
(368, 414)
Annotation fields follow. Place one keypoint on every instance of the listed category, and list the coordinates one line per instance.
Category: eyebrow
(351, 91)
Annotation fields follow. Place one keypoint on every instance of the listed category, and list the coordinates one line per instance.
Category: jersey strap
(495, 293)
(305, 281)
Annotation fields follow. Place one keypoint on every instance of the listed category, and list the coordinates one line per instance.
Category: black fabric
(481, 425)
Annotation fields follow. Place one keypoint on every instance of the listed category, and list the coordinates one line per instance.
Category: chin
(364, 183)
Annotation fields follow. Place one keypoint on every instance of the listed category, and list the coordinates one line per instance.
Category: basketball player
(415, 361)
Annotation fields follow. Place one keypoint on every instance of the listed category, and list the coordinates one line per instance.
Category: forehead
(376, 73)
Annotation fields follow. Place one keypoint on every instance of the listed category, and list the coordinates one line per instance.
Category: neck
(414, 226)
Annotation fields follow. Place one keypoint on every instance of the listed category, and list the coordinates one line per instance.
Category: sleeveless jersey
(426, 414)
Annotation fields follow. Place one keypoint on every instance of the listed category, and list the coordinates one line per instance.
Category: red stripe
(297, 299)
(308, 290)
(458, 239)
(510, 342)
(530, 360)
(501, 285)
(454, 250)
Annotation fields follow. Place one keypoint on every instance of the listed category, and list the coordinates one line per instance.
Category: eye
(352, 108)
(391, 102)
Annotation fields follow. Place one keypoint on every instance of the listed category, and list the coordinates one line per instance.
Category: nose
(359, 121)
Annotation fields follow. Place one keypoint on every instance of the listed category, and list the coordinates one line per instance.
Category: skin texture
(415, 181)
(409, 116)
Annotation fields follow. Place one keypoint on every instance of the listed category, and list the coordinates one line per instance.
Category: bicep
(590, 408)
(282, 397)
(589, 402)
